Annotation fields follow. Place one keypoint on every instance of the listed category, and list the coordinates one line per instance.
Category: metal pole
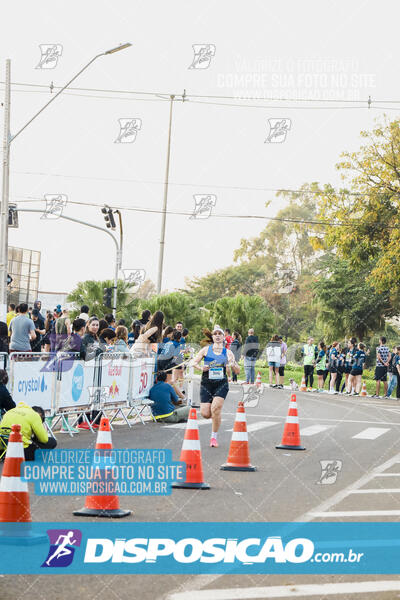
(117, 248)
(4, 196)
(164, 214)
(118, 263)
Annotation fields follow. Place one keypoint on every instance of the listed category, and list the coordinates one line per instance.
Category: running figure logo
(55, 204)
(134, 276)
(203, 205)
(128, 129)
(203, 54)
(62, 547)
(278, 129)
(50, 55)
(252, 394)
(329, 471)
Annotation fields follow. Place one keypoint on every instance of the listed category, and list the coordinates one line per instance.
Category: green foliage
(91, 293)
(242, 312)
(367, 223)
(347, 303)
(246, 278)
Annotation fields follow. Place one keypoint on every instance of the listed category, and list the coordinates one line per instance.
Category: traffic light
(108, 217)
(107, 297)
(12, 215)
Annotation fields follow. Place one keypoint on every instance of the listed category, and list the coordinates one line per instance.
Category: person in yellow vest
(10, 315)
(34, 434)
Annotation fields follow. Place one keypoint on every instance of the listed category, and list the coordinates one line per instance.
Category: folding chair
(139, 407)
(4, 435)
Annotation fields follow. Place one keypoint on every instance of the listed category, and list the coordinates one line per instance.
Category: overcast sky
(335, 50)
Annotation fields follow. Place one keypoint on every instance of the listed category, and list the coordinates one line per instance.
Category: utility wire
(209, 96)
(199, 185)
(349, 223)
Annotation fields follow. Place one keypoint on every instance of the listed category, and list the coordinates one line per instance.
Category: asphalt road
(360, 434)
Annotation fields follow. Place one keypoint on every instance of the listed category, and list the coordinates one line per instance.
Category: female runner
(214, 385)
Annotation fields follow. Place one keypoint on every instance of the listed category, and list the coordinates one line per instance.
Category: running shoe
(310, 389)
(213, 443)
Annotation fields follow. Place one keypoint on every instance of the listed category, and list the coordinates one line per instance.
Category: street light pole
(4, 195)
(118, 248)
(164, 213)
(7, 139)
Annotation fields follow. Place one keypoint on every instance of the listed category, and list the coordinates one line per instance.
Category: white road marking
(290, 591)
(314, 429)
(371, 433)
(183, 425)
(387, 475)
(320, 418)
(356, 513)
(376, 491)
(336, 498)
(260, 425)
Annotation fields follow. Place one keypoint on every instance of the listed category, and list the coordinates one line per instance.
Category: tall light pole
(7, 139)
(164, 212)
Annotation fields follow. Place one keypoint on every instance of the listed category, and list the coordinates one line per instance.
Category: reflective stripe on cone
(239, 455)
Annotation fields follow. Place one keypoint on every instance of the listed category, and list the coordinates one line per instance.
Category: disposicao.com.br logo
(62, 547)
(190, 550)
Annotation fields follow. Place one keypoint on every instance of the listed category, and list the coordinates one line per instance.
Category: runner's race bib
(216, 373)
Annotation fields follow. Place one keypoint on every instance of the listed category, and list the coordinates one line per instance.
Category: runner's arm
(197, 359)
(232, 362)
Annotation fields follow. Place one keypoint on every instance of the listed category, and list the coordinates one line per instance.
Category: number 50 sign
(142, 377)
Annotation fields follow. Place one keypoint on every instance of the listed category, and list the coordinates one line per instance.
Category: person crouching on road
(34, 434)
(167, 406)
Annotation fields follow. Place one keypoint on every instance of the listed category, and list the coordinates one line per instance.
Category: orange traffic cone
(303, 387)
(103, 506)
(364, 389)
(14, 494)
(239, 456)
(258, 380)
(15, 513)
(291, 431)
(191, 455)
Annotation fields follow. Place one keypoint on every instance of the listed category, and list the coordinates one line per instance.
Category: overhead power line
(158, 96)
(349, 223)
(210, 186)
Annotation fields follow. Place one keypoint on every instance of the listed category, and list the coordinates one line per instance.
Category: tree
(285, 244)
(242, 312)
(365, 214)
(347, 303)
(246, 278)
(91, 293)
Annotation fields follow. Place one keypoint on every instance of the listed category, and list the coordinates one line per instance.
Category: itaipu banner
(185, 548)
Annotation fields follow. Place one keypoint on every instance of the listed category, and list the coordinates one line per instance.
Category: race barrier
(66, 386)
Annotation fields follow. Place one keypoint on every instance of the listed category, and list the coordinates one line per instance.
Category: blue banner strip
(184, 548)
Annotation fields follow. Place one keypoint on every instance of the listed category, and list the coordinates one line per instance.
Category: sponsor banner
(32, 384)
(235, 548)
(86, 472)
(75, 382)
(115, 376)
(142, 377)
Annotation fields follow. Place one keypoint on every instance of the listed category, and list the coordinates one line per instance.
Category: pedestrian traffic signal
(108, 217)
(107, 297)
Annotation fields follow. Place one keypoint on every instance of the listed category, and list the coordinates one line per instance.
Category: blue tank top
(221, 360)
(218, 367)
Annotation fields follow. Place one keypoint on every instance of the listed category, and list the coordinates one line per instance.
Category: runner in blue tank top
(214, 385)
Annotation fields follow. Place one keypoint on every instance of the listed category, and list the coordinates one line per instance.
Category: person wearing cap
(214, 386)
(39, 330)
